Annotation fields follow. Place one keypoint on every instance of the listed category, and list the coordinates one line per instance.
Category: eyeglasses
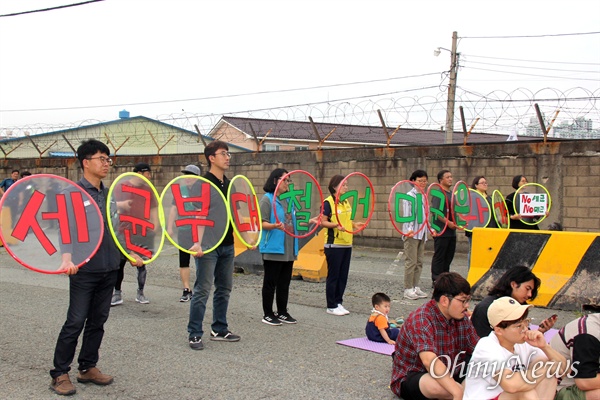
(482, 183)
(523, 325)
(286, 180)
(103, 160)
(463, 301)
(224, 154)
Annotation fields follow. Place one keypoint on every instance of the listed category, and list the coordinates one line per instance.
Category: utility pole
(451, 90)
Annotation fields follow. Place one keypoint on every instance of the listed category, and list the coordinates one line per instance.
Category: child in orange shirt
(378, 328)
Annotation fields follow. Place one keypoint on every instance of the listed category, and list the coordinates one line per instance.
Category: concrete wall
(570, 170)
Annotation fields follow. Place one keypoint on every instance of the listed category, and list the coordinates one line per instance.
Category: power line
(530, 36)
(536, 75)
(525, 67)
(50, 8)
(322, 102)
(221, 97)
(534, 61)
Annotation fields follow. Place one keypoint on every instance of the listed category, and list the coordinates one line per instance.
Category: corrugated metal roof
(359, 134)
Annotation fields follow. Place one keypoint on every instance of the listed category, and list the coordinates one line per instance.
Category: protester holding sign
(279, 251)
(136, 208)
(215, 267)
(444, 245)
(338, 245)
(414, 242)
(516, 220)
(90, 288)
(184, 233)
(480, 184)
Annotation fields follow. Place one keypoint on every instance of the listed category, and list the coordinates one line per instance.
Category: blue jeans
(217, 267)
(89, 306)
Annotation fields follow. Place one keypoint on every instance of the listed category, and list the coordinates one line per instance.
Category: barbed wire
(498, 111)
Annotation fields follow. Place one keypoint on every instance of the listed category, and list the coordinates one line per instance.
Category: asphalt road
(145, 346)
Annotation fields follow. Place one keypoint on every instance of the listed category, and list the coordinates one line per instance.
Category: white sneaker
(410, 294)
(420, 294)
(341, 307)
(335, 311)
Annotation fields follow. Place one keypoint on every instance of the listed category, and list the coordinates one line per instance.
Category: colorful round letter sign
(480, 213)
(302, 203)
(500, 210)
(461, 204)
(45, 216)
(244, 211)
(408, 208)
(135, 216)
(532, 202)
(439, 209)
(360, 197)
(196, 213)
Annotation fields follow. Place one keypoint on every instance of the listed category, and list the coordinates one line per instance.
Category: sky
(190, 61)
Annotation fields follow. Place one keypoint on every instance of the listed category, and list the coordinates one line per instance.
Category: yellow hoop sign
(532, 202)
(135, 218)
(243, 211)
(196, 212)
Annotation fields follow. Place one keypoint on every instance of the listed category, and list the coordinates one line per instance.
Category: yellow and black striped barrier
(568, 264)
(310, 265)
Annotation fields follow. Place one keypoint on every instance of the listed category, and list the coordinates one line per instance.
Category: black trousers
(89, 306)
(443, 254)
(276, 284)
(338, 268)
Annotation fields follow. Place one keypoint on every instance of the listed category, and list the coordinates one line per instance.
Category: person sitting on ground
(513, 362)
(519, 283)
(378, 328)
(434, 334)
(579, 343)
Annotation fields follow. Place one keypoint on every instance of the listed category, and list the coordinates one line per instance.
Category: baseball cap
(506, 309)
(191, 169)
(141, 167)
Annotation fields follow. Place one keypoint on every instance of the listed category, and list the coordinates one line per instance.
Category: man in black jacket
(90, 287)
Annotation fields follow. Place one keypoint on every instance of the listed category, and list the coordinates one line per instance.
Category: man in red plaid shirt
(435, 344)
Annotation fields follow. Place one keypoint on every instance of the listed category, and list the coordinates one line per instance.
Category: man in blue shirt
(6, 183)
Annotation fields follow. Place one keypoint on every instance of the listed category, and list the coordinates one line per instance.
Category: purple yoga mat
(548, 335)
(366, 344)
(387, 349)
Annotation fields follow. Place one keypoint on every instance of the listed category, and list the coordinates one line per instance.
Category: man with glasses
(90, 287)
(513, 362)
(414, 241)
(216, 266)
(434, 339)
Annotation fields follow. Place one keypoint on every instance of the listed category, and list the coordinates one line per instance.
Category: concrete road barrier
(566, 262)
